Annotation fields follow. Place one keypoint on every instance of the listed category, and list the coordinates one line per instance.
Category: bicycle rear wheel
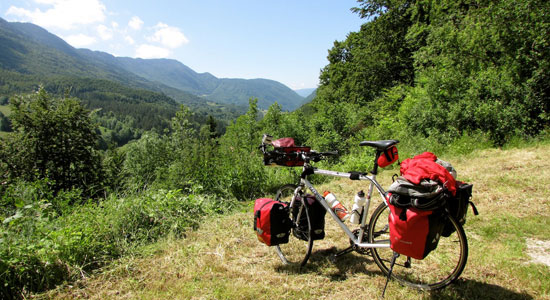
(440, 268)
(300, 243)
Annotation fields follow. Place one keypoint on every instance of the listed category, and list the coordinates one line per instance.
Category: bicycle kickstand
(343, 252)
(395, 256)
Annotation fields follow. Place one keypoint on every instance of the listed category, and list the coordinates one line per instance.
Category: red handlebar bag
(283, 142)
(271, 221)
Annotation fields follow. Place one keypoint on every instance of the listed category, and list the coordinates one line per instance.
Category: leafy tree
(241, 169)
(146, 160)
(482, 66)
(55, 139)
(444, 69)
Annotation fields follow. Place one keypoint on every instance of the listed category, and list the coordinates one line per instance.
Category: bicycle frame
(373, 184)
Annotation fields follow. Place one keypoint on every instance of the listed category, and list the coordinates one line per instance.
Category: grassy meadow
(223, 259)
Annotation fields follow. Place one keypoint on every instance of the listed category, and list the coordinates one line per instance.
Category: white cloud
(135, 23)
(150, 51)
(104, 32)
(63, 14)
(168, 36)
(80, 40)
(129, 40)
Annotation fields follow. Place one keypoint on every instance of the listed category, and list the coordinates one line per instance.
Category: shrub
(41, 248)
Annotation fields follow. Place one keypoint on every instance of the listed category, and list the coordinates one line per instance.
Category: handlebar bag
(283, 142)
(388, 157)
(316, 217)
(286, 156)
(271, 221)
(414, 232)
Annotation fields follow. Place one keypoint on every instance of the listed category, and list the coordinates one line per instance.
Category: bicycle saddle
(379, 145)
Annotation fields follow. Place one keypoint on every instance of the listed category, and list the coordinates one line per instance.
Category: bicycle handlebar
(305, 156)
(317, 156)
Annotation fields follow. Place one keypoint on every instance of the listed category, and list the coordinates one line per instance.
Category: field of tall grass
(222, 259)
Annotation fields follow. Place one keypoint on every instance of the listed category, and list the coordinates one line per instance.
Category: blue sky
(284, 40)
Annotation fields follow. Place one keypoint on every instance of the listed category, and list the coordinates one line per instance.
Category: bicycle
(439, 269)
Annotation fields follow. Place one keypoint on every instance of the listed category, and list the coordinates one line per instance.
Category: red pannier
(414, 232)
(271, 221)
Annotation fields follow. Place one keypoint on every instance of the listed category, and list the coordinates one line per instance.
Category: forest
(443, 76)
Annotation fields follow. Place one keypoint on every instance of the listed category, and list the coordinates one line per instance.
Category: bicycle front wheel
(440, 268)
(300, 243)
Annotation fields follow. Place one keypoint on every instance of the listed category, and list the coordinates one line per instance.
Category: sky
(282, 40)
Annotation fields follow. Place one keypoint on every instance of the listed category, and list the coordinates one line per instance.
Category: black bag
(458, 206)
(316, 217)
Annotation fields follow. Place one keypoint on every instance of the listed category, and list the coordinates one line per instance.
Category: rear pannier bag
(388, 157)
(271, 221)
(414, 232)
(316, 217)
(458, 206)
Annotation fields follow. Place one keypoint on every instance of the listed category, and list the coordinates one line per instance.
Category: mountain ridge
(27, 48)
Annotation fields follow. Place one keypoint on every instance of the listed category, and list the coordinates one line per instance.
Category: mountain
(305, 92)
(29, 50)
(222, 90)
(310, 98)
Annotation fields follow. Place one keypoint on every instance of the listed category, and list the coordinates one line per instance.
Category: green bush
(41, 248)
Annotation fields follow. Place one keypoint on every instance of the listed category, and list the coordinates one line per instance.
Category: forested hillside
(138, 94)
(31, 57)
(443, 76)
(439, 70)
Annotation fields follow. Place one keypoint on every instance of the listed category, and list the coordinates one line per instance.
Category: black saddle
(379, 145)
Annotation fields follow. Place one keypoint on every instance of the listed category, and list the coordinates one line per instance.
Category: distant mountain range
(305, 92)
(30, 55)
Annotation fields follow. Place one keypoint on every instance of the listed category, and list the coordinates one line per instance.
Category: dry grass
(223, 259)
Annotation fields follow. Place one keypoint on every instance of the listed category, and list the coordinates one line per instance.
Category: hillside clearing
(223, 259)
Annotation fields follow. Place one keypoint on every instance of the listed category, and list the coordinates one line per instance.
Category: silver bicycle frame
(345, 228)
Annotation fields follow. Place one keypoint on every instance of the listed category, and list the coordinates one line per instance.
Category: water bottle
(357, 209)
(336, 206)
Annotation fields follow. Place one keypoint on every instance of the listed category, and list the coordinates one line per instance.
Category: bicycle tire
(300, 243)
(440, 268)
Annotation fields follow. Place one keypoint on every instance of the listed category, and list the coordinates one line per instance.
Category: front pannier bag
(271, 221)
(316, 218)
(414, 232)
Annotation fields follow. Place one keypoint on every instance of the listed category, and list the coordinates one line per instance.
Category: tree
(54, 139)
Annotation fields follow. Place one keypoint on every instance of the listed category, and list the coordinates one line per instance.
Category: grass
(223, 259)
(5, 109)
